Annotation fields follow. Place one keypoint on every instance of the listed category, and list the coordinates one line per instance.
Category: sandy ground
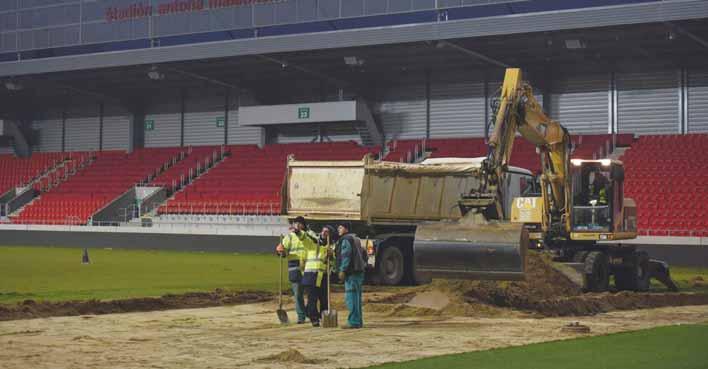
(245, 335)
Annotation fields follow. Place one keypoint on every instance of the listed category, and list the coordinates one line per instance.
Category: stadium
(170, 144)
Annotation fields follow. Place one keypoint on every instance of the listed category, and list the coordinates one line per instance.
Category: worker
(597, 191)
(314, 277)
(601, 183)
(350, 267)
(293, 247)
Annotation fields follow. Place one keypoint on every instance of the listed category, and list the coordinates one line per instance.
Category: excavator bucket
(468, 249)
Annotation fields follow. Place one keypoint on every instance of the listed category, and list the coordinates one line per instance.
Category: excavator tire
(637, 276)
(597, 272)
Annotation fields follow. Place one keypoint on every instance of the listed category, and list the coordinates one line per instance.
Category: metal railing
(262, 208)
(673, 233)
(68, 221)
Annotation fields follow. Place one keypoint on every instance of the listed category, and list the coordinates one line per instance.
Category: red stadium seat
(665, 175)
(249, 181)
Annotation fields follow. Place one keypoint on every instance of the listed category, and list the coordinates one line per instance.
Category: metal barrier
(673, 233)
(68, 221)
(227, 208)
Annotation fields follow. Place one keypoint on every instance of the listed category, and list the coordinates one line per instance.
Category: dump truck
(386, 202)
(457, 219)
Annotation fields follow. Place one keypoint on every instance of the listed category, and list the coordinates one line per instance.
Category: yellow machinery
(580, 206)
(471, 218)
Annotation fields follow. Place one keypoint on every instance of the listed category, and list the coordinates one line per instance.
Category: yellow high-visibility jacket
(315, 260)
(295, 245)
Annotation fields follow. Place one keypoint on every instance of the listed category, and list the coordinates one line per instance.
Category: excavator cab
(597, 204)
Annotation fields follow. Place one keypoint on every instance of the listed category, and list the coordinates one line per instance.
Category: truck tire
(636, 277)
(390, 266)
(597, 272)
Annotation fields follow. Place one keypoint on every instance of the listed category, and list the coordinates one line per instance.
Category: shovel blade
(330, 319)
(283, 316)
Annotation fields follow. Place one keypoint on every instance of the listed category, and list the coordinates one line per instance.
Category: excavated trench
(545, 292)
(30, 309)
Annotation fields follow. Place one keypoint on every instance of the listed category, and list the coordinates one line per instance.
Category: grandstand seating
(179, 174)
(523, 156)
(250, 180)
(404, 150)
(110, 175)
(15, 172)
(667, 175)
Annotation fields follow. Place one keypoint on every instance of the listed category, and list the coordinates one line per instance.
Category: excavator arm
(517, 110)
(483, 244)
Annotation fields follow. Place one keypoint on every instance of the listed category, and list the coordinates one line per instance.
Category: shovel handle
(280, 278)
(329, 295)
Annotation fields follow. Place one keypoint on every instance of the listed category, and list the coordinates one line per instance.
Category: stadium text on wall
(144, 9)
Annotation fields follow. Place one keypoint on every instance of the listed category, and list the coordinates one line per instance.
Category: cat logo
(526, 203)
(527, 210)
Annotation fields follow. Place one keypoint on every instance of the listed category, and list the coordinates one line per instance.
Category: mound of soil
(30, 309)
(697, 281)
(545, 292)
(290, 356)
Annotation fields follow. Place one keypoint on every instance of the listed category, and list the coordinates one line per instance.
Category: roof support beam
(285, 64)
(202, 78)
(474, 54)
(688, 34)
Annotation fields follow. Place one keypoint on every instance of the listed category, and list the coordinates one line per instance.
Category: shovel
(329, 316)
(282, 314)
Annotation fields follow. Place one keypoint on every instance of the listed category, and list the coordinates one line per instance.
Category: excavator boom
(483, 244)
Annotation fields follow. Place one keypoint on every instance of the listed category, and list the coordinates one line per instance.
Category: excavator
(473, 218)
(581, 216)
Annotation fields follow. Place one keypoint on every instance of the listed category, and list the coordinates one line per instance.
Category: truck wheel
(597, 272)
(636, 277)
(390, 266)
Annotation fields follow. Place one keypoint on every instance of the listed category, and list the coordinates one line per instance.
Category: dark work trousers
(316, 295)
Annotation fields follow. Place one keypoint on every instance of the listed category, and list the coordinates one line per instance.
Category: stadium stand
(198, 159)
(524, 155)
(405, 151)
(111, 174)
(667, 176)
(18, 172)
(250, 180)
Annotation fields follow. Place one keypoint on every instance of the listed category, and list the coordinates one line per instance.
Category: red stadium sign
(142, 10)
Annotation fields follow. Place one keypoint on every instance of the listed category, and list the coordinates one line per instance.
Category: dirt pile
(290, 356)
(697, 281)
(30, 309)
(545, 292)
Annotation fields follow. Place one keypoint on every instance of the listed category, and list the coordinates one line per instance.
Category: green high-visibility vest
(295, 245)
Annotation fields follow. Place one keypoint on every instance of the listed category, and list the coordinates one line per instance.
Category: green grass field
(56, 274)
(684, 278)
(676, 347)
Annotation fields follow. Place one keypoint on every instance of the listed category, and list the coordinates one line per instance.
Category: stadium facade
(120, 74)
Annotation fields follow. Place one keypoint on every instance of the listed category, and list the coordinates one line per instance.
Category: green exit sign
(303, 113)
(149, 125)
(220, 122)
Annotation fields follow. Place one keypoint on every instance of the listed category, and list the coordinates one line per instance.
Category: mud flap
(470, 250)
(660, 270)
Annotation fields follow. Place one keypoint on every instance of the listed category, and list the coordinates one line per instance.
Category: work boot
(316, 324)
(301, 321)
